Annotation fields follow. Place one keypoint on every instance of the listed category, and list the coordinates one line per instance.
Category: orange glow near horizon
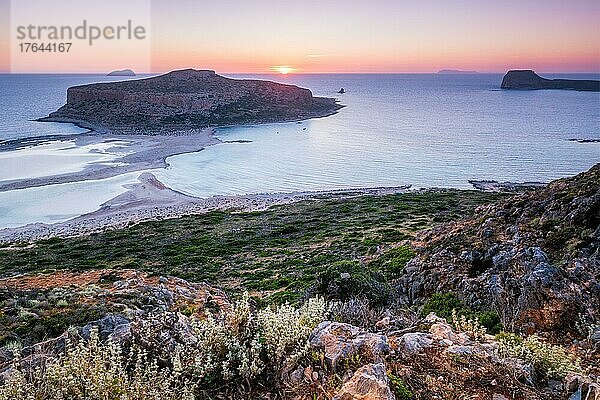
(353, 36)
(283, 69)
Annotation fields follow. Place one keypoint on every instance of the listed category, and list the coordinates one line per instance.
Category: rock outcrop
(534, 258)
(340, 341)
(368, 382)
(184, 100)
(528, 79)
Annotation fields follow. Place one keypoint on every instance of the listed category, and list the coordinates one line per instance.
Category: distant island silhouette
(121, 72)
(455, 72)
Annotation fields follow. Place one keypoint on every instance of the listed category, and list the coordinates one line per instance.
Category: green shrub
(443, 304)
(489, 319)
(345, 280)
(399, 387)
(392, 262)
(553, 362)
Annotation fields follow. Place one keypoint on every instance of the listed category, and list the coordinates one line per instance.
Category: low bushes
(392, 262)
(92, 370)
(346, 280)
(443, 305)
(238, 350)
(553, 362)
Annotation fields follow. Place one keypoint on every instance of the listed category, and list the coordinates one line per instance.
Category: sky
(310, 36)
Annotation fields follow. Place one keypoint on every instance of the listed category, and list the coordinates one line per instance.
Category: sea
(424, 130)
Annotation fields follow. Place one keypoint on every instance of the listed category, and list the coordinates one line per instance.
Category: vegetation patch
(345, 280)
(392, 262)
(446, 305)
(275, 254)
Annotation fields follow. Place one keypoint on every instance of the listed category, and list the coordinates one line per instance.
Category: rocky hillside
(185, 100)
(500, 302)
(534, 258)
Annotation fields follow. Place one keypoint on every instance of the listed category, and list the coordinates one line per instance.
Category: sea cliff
(185, 100)
(528, 79)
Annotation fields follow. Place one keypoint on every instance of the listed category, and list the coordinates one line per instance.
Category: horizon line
(459, 72)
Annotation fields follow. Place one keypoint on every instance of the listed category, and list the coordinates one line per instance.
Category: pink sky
(360, 36)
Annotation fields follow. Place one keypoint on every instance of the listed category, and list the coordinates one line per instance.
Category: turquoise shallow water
(418, 129)
(423, 130)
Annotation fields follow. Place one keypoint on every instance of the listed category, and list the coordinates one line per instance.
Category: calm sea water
(419, 129)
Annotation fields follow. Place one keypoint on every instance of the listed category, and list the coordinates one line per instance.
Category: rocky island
(528, 79)
(186, 100)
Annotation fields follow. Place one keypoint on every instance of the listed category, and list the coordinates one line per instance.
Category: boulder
(340, 341)
(413, 343)
(520, 369)
(369, 382)
(112, 326)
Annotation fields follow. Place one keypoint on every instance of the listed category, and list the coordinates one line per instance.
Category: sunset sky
(359, 36)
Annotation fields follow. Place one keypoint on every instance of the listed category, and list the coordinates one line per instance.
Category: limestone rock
(369, 382)
(413, 343)
(340, 341)
(521, 370)
(112, 326)
(537, 283)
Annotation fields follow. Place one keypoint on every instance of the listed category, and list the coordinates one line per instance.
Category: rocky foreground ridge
(185, 340)
(528, 79)
(184, 100)
(534, 258)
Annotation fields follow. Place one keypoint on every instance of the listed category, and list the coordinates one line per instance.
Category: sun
(283, 69)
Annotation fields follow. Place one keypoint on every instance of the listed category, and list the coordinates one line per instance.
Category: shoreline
(150, 200)
(142, 152)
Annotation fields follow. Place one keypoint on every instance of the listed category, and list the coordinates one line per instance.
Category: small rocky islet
(121, 72)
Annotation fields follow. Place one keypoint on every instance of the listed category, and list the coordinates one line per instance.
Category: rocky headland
(186, 100)
(528, 79)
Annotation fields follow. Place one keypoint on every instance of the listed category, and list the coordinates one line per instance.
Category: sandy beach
(150, 199)
(130, 153)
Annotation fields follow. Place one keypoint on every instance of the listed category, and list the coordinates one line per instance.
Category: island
(185, 100)
(455, 72)
(121, 72)
(529, 80)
